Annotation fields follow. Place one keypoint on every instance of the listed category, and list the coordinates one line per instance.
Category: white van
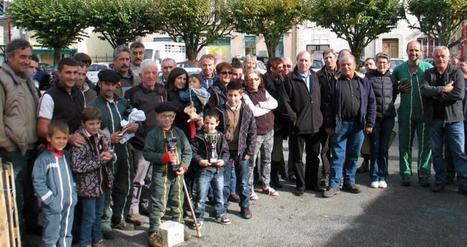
(159, 50)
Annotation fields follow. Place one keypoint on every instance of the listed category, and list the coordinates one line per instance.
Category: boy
(92, 163)
(211, 170)
(239, 127)
(168, 149)
(55, 187)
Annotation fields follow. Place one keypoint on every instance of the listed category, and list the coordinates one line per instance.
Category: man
(410, 116)
(168, 64)
(207, 63)
(352, 110)
(18, 104)
(327, 81)
(121, 65)
(137, 56)
(86, 61)
(237, 69)
(81, 83)
(443, 94)
(113, 109)
(288, 66)
(369, 64)
(302, 102)
(34, 65)
(146, 97)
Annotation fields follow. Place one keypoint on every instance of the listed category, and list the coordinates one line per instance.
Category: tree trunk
(191, 51)
(57, 53)
(357, 50)
(271, 44)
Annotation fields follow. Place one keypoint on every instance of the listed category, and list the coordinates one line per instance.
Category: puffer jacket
(385, 89)
(93, 175)
(200, 150)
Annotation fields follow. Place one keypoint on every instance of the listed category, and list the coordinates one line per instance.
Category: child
(197, 96)
(168, 149)
(92, 163)
(239, 127)
(55, 187)
(210, 172)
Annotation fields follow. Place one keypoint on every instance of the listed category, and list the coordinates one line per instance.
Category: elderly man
(302, 102)
(146, 97)
(288, 66)
(137, 56)
(168, 64)
(207, 63)
(352, 110)
(410, 116)
(121, 65)
(18, 104)
(443, 94)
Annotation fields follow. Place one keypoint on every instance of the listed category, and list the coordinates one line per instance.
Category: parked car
(395, 62)
(317, 65)
(94, 69)
(191, 67)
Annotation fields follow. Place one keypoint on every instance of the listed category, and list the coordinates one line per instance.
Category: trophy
(212, 140)
(172, 147)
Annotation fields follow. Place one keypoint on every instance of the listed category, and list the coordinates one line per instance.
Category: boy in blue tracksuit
(55, 187)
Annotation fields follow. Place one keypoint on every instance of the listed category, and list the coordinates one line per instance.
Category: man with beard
(137, 56)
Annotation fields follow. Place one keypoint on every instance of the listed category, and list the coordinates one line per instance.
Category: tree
(357, 21)
(271, 18)
(122, 21)
(55, 23)
(438, 19)
(196, 22)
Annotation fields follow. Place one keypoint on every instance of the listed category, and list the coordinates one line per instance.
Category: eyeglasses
(226, 72)
(168, 67)
(288, 65)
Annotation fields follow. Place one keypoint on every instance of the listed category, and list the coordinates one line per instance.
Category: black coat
(385, 89)
(274, 86)
(200, 149)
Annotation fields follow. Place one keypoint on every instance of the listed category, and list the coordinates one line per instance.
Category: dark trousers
(307, 175)
(325, 154)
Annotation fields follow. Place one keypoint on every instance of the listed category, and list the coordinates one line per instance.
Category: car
(317, 65)
(94, 69)
(429, 60)
(191, 67)
(395, 62)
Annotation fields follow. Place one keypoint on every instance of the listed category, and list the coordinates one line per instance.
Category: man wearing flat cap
(168, 149)
(113, 109)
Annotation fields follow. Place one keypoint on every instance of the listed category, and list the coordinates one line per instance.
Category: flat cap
(166, 106)
(108, 75)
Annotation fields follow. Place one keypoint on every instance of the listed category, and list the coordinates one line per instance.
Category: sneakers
(374, 184)
(222, 220)
(123, 226)
(137, 219)
(354, 189)
(424, 182)
(254, 196)
(405, 181)
(246, 213)
(383, 184)
(269, 191)
(331, 192)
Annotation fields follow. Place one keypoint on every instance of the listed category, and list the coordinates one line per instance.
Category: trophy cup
(212, 140)
(172, 147)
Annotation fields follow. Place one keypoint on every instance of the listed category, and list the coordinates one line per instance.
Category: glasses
(226, 72)
(171, 116)
(288, 65)
(168, 67)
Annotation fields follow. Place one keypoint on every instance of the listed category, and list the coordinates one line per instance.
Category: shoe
(354, 189)
(374, 184)
(246, 213)
(123, 226)
(99, 244)
(292, 178)
(331, 192)
(383, 184)
(200, 223)
(405, 180)
(437, 188)
(155, 239)
(270, 191)
(364, 167)
(424, 182)
(137, 219)
(254, 196)
(222, 220)
(324, 183)
(299, 192)
(234, 198)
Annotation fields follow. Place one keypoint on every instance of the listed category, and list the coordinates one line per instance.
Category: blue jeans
(90, 231)
(242, 173)
(210, 179)
(345, 148)
(453, 133)
(379, 148)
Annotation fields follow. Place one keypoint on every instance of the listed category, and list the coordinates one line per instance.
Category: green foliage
(438, 19)
(197, 22)
(122, 21)
(271, 18)
(357, 21)
(55, 23)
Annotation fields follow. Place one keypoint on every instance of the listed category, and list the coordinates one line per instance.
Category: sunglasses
(288, 65)
(226, 72)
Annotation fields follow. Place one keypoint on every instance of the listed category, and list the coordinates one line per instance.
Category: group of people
(130, 144)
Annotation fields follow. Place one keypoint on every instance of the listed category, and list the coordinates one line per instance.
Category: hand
(247, 157)
(329, 131)
(76, 140)
(220, 163)
(106, 156)
(204, 163)
(368, 130)
(405, 88)
(133, 127)
(115, 137)
(182, 170)
(173, 156)
(448, 87)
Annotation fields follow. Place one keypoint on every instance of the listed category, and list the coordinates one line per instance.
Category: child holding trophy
(210, 151)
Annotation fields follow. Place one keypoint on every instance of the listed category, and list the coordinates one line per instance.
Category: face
(278, 70)
(414, 51)
(210, 124)
(82, 70)
(304, 62)
(463, 67)
(347, 68)
(92, 126)
(122, 63)
(167, 66)
(165, 119)
(20, 60)
(195, 83)
(330, 60)
(68, 75)
(149, 76)
(137, 56)
(237, 73)
(180, 82)
(288, 67)
(250, 65)
(225, 75)
(370, 64)
(253, 81)
(33, 67)
(441, 59)
(58, 140)
(107, 89)
(207, 66)
(234, 97)
(382, 65)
